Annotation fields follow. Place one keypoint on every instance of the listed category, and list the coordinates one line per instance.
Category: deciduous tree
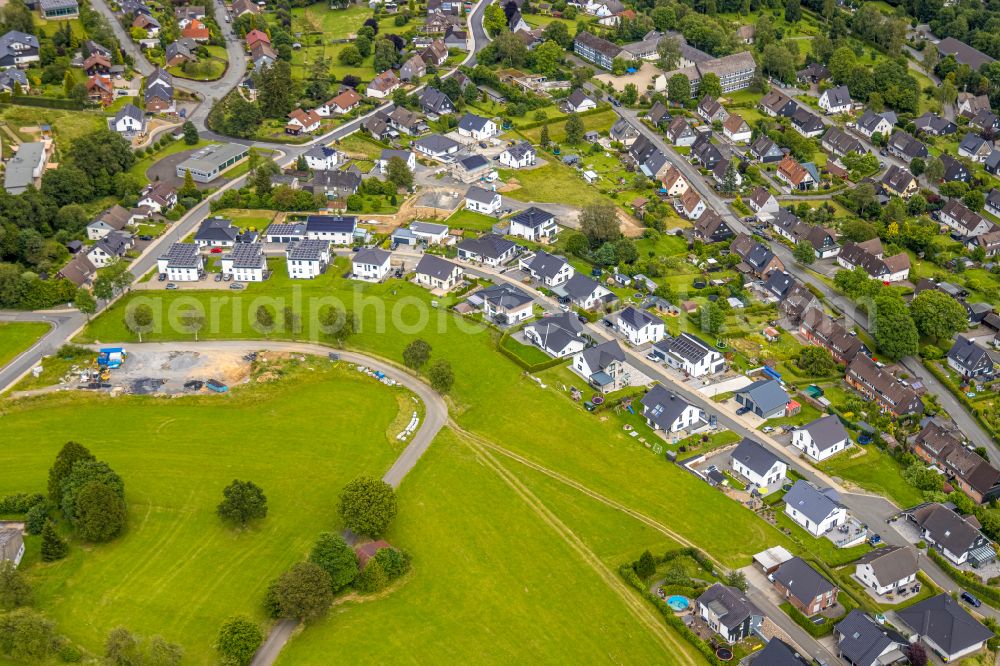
(243, 502)
(139, 319)
(100, 512)
(937, 315)
(367, 506)
(336, 558)
(599, 223)
(416, 354)
(441, 375)
(14, 588)
(302, 592)
(238, 640)
(70, 454)
(892, 327)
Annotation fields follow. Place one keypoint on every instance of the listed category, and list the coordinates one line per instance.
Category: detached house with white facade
(307, 259)
(821, 438)
(245, 263)
(818, 511)
(886, 570)
(689, 353)
(518, 156)
(533, 224)
(434, 272)
(758, 465)
(181, 263)
(547, 268)
(640, 327)
(477, 127)
(482, 201)
(666, 412)
(370, 264)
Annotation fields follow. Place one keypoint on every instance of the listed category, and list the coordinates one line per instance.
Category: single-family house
(437, 146)
(370, 264)
(690, 205)
(674, 183)
(182, 262)
(947, 628)
(764, 204)
(477, 127)
(711, 110)
(871, 123)
(975, 147)
(836, 100)
(603, 366)
(935, 125)
(680, 132)
(711, 228)
(383, 85)
(110, 248)
(971, 360)
(736, 129)
(547, 268)
(482, 201)
(793, 174)
(585, 293)
(766, 151)
(807, 124)
(431, 233)
(821, 438)
(803, 587)
(437, 273)
(907, 148)
(776, 103)
(533, 224)
(758, 465)
(129, 121)
(956, 537)
(115, 218)
(887, 570)
(818, 511)
(559, 335)
(522, 154)
(899, 182)
(640, 327)
(728, 612)
(307, 259)
(490, 249)
(578, 102)
(666, 412)
(690, 354)
(957, 215)
(863, 642)
(766, 398)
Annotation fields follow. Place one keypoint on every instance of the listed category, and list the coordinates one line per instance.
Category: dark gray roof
(533, 217)
(331, 223)
(767, 394)
(473, 123)
(944, 621)
(963, 53)
(480, 195)
(637, 318)
(755, 456)
(813, 504)
(505, 296)
(729, 603)
(778, 653)
(433, 99)
(490, 246)
(217, 229)
(579, 287)
(838, 96)
(890, 564)
(436, 267)
(371, 255)
(972, 143)
(520, 150)
(862, 641)
(436, 143)
(663, 407)
(130, 111)
(804, 582)
(473, 162)
(545, 264)
(778, 283)
(182, 255)
(947, 528)
(578, 97)
(278, 229)
(557, 332)
(968, 354)
(689, 347)
(603, 355)
(826, 431)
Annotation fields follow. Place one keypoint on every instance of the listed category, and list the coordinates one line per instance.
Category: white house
(533, 224)
(667, 412)
(674, 182)
(477, 127)
(370, 264)
(322, 158)
(129, 120)
(490, 249)
(307, 259)
(640, 327)
(689, 353)
(110, 248)
(578, 102)
(482, 201)
(547, 268)
(836, 100)
(115, 218)
(821, 438)
(505, 304)
(585, 292)
(181, 263)
(437, 273)
(337, 229)
(158, 196)
(518, 156)
(758, 465)
(430, 232)
(887, 569)
(388, 153)
(818, 511)
(558, 335)
(245, 262)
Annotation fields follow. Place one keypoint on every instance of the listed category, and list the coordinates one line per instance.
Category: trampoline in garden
(597, 400)
(678, 603)
(724, 654)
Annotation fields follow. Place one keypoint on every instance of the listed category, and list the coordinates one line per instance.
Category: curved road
(435, 417)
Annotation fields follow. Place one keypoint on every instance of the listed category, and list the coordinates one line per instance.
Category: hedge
(19, 502)
(628, 573)
(967, 580)
(527, 367)
(810, 627)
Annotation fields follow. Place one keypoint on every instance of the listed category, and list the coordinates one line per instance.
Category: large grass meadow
(500, 574)
(178, 571)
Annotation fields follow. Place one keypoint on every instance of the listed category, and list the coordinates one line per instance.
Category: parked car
(608, 323)
(971, 600)
(171, 285)
(216, 250)
(742, 410)
(237, 285)
(583, 320)
(145, 237)
(218, 277)
(161, 277)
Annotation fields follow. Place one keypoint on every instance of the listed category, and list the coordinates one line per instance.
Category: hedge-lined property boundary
(967, 580)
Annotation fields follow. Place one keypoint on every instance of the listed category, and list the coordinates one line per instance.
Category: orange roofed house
(196, 30)
(302, 121)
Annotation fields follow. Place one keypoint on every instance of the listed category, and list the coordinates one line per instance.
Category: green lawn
(528, 353)
(600, 122)
(245, 218)
(67, 126)
(359, 144)
(821, 547)
(471, 220)
(875, 471)
(141, 166)
(596, 452)
(550, 183)
(468, 568)
(15, 337)
(178, 571)
(207, 69)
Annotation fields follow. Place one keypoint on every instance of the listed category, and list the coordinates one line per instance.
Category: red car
(216, 250)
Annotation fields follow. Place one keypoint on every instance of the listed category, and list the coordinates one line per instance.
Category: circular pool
(678, 603)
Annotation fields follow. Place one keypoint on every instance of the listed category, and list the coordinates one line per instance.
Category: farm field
(467, 568)
(15, 337)
(179, 571)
